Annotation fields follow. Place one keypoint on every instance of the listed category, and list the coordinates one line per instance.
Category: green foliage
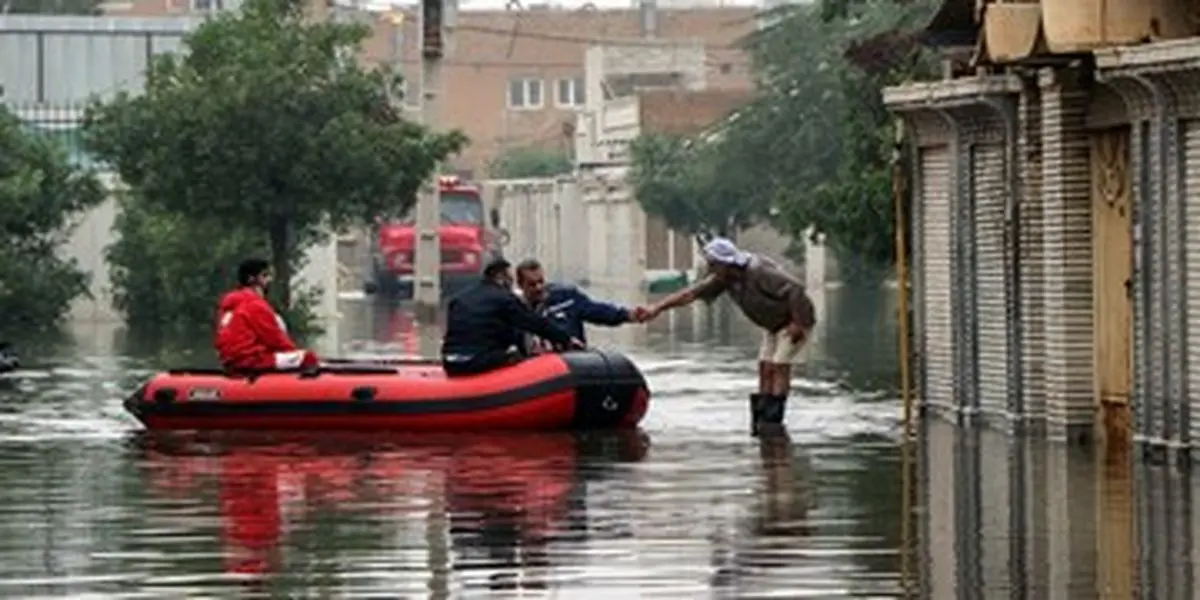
(262, 135)
(50, 7)
(812, 149)
(682, 180)
(823, 119)
(40, 194)
(530, 161)
(168, 270)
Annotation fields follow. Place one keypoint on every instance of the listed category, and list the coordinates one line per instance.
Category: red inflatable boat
(574, 390)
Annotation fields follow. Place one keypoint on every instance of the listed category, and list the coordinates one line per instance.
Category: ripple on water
(711, 398)
(95, 508)
(66, 402)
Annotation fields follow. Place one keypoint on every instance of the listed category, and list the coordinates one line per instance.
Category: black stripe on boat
(607, 385)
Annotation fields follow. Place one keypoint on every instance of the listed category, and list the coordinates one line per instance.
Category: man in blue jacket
(567, 306)
(484, 323)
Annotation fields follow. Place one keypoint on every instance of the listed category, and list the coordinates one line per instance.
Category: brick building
(1055, 226)
(516, 78)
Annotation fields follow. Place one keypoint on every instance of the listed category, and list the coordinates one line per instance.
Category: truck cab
(465, 240)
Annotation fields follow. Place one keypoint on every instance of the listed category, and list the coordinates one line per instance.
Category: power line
(515, 33)
(588, 40)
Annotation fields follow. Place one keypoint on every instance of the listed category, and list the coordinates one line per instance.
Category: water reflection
(312, 507)
(1007, 518)
(187, 514)
(778, 527)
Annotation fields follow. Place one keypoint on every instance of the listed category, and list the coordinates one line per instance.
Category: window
(457, 208)
(571, 92)
(206, 5)
(525, 93)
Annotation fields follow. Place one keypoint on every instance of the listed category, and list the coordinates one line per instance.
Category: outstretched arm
(708, 288)
(522, 317)
(601, 313)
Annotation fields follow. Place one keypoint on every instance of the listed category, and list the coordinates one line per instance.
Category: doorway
(1112, 270)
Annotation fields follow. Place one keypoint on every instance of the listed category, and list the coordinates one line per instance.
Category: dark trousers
(481, 363)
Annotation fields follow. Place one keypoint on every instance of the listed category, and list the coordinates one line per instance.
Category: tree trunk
(282, 267)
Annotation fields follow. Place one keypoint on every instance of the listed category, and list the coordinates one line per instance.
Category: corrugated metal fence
(545, 220)
(587, 230)
(57, 60)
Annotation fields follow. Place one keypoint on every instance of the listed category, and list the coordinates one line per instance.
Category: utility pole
(436, 16)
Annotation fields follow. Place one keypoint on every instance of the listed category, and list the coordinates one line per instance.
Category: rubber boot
(772, 409)
(756, 402)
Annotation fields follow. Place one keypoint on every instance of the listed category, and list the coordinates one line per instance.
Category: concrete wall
(545, 219)
(590, 231)
(607, 68)
(616, 229)
(603, 135)
(86, 245)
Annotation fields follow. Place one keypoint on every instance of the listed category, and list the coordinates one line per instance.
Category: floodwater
(690, 506)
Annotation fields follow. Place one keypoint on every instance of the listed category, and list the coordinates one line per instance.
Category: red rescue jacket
(249, 333)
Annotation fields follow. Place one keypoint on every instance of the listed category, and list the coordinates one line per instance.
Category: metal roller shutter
(989, 243)
(935, 276)
(1191, 179)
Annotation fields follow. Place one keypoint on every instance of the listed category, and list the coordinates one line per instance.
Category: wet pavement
(690, 506)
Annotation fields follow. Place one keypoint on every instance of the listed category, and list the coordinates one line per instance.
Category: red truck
(465, 239)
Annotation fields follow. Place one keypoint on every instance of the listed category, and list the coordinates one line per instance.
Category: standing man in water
(771, 299)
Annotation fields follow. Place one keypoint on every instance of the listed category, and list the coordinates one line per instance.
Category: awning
(1012, 32)
(998, 32)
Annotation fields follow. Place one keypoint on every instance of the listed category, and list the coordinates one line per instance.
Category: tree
(683, 181)
(530, 161)
(264, 126)
(167, 271)
(812, 148)
(50, 7)
(822, 120)
(40, 193)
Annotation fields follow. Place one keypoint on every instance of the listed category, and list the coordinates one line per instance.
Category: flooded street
(691, 506)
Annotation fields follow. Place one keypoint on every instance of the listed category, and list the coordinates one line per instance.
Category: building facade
(166, 8)
(1055, 219)
(515, 78)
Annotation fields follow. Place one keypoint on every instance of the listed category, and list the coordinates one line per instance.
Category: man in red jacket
(250, 336)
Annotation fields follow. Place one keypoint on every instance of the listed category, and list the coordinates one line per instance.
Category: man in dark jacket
(484, 325)
(567, 306)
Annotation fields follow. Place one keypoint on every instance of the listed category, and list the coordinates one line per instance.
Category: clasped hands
(642, 314)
